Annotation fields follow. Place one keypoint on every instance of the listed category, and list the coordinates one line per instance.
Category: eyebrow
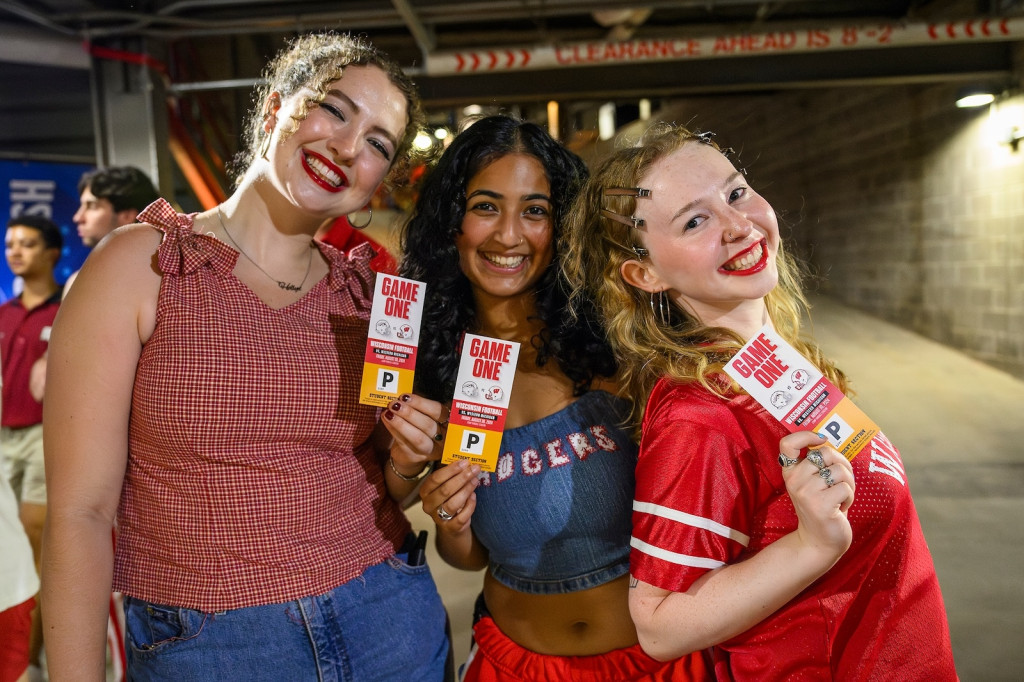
(728, 181)
(496, 195)
(381, 131)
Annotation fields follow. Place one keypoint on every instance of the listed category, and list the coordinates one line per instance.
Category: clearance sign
(797, 394)
(600, 53)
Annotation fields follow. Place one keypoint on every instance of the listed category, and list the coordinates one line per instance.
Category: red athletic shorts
(15, 626)
(496, 658)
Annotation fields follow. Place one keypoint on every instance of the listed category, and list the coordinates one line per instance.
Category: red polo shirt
(24, 338)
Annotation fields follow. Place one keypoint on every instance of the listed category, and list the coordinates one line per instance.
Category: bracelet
(402, 476)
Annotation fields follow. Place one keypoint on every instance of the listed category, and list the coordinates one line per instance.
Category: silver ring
(814, 457)
(444, 515)
(439, 436)
(786, 462)
(827, 475)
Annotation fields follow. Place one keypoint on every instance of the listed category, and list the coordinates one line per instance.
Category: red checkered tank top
(250, 477)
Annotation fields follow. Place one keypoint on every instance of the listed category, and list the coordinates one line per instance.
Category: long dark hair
(577, 343)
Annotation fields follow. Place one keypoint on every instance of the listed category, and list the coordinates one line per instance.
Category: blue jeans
(387, 624)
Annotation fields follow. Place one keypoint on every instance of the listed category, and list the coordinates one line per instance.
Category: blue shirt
(556, 515)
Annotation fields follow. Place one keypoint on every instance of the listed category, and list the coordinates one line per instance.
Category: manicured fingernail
(389, 416)
(406, 397)
(821, 436)
(396, 406)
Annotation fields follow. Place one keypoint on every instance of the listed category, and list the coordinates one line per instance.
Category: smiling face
(332, 161)
(712, 239)
(505, 242)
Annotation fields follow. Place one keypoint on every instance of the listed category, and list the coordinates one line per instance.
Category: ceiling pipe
(425, 38)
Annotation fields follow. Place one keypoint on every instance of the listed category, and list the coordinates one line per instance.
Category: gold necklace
(287, 286)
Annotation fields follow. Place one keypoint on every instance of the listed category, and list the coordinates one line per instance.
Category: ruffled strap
(182, 251)
(351, 271)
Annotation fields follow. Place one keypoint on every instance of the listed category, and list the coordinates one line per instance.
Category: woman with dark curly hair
(551, 525)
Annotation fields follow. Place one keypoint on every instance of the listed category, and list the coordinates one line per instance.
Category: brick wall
(903, 205)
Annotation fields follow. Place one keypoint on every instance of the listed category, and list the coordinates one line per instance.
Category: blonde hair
(314, 61)
(683, 349)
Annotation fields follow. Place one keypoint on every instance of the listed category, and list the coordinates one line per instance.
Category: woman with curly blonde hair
(216, 417)
(740, 544)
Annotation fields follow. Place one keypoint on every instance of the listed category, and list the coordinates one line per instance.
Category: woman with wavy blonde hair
(746, 541)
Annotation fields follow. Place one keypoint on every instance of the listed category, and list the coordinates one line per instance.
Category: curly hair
(685, 350)
(430, 255)
(314, 61)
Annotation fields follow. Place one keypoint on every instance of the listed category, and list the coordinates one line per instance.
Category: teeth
(506, 261)
(323, 171)
(746, 261)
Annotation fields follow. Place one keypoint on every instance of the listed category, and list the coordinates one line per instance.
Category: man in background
(109, 198)
(32, 246)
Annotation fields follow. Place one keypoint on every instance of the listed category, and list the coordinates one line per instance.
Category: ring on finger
(786, 462)
(815, 458)
(443, 514)
(439, 436)
(826, 474)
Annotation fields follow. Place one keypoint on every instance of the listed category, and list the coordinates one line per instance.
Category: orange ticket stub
(482, 389)
(796, 393)
(389, 364)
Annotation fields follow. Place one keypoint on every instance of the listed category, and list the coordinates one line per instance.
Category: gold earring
(664, 312)
(360, 227)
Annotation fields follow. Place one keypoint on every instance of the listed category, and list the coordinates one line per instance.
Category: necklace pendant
(287, 286)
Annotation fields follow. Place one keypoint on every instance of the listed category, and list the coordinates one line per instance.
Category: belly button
(580, 626)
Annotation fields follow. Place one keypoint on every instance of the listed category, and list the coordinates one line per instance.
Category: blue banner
(49, 190)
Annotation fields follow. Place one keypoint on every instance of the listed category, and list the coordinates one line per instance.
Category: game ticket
(797, 394)
(389, 364)
(482, 389)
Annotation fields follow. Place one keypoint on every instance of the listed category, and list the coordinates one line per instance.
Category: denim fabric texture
(387, 624)
(556, 515)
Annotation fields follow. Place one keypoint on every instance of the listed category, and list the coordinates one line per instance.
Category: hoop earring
(265, 147)
(664, 312)
(360, 227)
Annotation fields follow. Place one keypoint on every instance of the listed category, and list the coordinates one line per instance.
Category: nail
(396, 406)
(406, 397)
(821, 436)
(389, 416)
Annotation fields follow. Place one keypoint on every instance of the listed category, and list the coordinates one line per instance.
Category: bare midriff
(583, 623)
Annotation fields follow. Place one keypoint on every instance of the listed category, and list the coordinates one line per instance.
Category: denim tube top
(556, 515)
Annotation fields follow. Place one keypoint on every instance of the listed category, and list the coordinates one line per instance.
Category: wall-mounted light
(975, 96)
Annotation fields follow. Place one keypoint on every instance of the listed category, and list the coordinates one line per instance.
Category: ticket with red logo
(796, 393)
(480, 403)
(389, 363)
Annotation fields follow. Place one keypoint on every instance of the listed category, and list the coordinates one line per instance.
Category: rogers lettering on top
(796, 393)
(482, 389)
(389, 364)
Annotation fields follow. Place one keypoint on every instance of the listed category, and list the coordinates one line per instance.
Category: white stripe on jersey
(691, 520)
(674, 557)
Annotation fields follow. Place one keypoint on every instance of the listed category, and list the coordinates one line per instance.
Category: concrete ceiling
(503, 52)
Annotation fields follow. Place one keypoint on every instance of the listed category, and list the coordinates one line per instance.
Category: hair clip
(636, 193)
(631, 221)
(640, 251)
